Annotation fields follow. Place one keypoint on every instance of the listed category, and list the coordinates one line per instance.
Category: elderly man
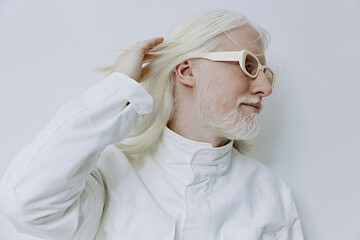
(156, 149)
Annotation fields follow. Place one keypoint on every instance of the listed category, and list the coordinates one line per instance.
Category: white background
(310, 124)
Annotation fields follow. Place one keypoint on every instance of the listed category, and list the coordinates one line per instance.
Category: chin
(246, 131)
(245, 137)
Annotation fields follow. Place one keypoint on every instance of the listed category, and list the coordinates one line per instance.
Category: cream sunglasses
(249, 63)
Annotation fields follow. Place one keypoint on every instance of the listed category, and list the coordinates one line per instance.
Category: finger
(150, 43)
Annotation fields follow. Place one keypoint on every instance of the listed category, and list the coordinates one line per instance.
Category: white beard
(234, 125)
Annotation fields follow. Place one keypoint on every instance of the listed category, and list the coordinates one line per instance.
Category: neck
(188, 127)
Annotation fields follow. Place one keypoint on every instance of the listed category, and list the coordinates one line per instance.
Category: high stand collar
(190, 161)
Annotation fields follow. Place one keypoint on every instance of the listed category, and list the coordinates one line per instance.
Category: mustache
(249, 100)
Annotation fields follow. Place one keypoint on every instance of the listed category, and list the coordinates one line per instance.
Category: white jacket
(73, 183)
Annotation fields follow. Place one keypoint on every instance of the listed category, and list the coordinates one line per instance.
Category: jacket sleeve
(295, 227)
(51, 189)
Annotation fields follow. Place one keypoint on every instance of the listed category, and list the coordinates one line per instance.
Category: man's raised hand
(130, 62)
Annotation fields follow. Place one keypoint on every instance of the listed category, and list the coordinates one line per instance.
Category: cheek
(230, 78)
(224, 101)
(228, 84)
(228, 92)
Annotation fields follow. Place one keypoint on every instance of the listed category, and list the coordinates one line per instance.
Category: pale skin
(227, 79)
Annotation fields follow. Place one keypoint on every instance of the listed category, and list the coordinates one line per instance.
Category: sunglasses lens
(269, 75)
(251, 65)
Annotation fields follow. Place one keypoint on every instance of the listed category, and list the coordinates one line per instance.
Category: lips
(254, 105)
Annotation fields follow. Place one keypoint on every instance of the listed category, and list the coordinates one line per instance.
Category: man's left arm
(295, 227)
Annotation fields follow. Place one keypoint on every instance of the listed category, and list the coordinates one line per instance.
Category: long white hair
(198, 34)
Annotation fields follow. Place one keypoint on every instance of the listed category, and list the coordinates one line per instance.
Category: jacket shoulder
(258, 174)
(113, 161)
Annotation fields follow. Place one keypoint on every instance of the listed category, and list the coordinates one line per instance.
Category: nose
(261, 85)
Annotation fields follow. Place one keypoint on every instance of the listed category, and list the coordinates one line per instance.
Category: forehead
(245, 37)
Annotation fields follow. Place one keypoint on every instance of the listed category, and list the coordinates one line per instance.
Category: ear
(184, 73)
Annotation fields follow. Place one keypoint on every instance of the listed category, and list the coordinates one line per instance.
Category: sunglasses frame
(237, 56)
